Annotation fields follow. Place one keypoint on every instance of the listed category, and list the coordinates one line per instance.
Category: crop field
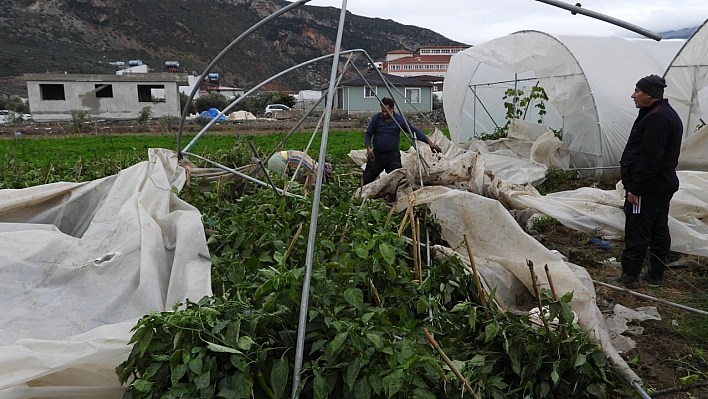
(374, 294)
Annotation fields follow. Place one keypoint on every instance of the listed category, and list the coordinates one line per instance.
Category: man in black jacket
(385, 128)
(648, 168)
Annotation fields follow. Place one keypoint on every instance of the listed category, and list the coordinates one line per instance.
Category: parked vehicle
(7, 116)
(272, 109)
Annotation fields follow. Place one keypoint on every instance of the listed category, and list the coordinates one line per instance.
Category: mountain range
(85, 36)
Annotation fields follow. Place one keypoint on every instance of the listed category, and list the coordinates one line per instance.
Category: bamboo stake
(218, 188)
(405, 217)
(374, 293)
(534, 282)
(414, 249)
(341, 237)
(292, 243)
(449, 363)
(390, 214)
(403, 225)
(482, 296)
(49, 170)
(417, 247)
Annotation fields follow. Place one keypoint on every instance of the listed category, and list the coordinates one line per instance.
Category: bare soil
(250, 128)
(665, 351)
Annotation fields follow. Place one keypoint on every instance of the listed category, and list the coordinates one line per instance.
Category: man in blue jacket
(648, 168)
(385, 127)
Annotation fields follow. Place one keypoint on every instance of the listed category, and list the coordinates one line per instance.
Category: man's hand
(632, 199)
(434, 147)
(370, 155)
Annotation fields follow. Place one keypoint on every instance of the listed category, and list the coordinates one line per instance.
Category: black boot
(626, 281)
(655, 270)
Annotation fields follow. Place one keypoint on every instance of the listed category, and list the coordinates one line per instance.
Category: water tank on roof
(134, 63)
(213, 78)
(171, 64)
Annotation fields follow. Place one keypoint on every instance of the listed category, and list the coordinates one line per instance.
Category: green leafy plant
(556, 178)
(365, 320)
(144, 115)
(542, 223)
(517, 104)
(78, 118)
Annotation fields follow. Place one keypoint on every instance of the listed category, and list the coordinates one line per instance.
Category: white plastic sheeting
(80, 263)
(590, 93)
(687, 78)
(499, 245)
(693, 151)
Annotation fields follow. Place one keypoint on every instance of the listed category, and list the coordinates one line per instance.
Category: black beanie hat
(652, 85)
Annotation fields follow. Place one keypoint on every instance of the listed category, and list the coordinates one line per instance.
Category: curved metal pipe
(265, 82)
(218, 57)
(602, 17)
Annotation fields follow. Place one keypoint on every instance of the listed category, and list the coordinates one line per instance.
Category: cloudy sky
(476, 21)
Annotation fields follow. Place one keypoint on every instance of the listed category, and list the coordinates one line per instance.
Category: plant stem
(480, 291)
(449, 363)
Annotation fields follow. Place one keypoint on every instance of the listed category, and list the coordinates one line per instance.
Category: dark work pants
(648, 229)
(388, 161)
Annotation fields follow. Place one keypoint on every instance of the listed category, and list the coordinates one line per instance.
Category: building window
(50, 92)
(408, 67)
(395, 67)
(370, 92)
(151, 93)
(413, 96)
(104, 91)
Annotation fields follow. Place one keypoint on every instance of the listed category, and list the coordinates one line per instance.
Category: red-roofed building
(431, 61)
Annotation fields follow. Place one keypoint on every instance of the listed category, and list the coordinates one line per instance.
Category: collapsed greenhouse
(84, 261)
(588, 95)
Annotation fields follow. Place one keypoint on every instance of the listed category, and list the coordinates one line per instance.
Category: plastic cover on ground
(80, 264)
(466, 197)
(499, 244)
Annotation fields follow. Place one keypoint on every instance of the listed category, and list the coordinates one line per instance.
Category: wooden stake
(374, 293)
(537, 291)
(555, 296)
(415, 250)
(449, 363)
(49, 170)
(418, 253)
(292, 243)
(550, 282)
(482, 296)
(409, 211)
(341, 237)
(218, 187)
(390, 213)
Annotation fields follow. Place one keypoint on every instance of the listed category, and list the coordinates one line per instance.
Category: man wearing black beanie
(648, 168)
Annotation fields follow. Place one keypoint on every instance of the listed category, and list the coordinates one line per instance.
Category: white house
(53, 97)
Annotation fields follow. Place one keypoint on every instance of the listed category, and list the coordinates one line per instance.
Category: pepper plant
(366, 317)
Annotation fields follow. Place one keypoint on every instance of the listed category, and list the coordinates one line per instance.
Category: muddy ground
(666, 349)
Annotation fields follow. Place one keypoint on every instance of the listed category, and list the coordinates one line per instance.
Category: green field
(30, 161)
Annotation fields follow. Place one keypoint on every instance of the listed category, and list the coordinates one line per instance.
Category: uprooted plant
(366, 316)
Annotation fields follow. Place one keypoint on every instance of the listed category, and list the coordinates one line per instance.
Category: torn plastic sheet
(81, 263)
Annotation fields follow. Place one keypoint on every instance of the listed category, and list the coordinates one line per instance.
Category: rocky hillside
(83, 36)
